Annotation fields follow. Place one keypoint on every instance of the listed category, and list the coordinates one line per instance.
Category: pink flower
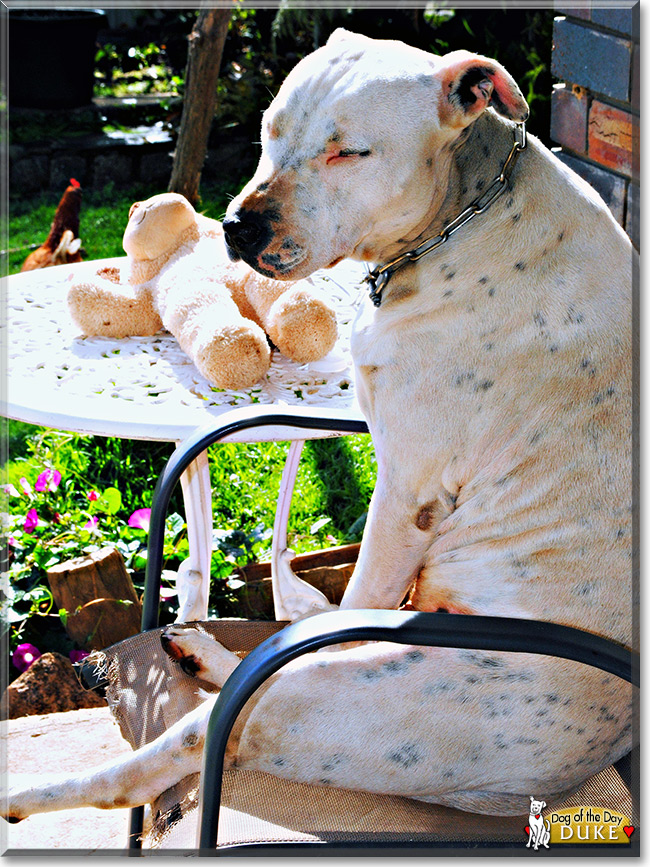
(48, 481)
(25, 486)
(31, 521)
(140, 519)
(24, 655)
(92, 496)
(11, 490)
(11, 541)
(78, 655)
(91, 524)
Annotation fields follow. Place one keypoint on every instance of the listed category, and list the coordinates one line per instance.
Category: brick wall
(595, 108)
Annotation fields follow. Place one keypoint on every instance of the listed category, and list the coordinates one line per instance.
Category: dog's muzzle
(247, 233)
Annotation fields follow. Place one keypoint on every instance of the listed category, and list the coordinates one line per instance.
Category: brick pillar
(595, 108)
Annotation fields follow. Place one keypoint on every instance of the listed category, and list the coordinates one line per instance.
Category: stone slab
(54, 743)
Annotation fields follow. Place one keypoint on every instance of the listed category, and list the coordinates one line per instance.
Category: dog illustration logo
(539, 830)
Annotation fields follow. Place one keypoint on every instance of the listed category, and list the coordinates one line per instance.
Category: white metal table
(147, 388)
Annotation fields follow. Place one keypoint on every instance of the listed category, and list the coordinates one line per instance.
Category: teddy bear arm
(106, 309)
(301, 325)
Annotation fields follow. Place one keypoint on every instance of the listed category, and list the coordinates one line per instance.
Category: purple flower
(78, 655)
(31, 521)
(92, 523)
(140, 519)
(26, 487)
(11, 490)
(24, 655)
(47, 481)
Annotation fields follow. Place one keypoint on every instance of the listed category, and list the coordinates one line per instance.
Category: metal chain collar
(379, 277)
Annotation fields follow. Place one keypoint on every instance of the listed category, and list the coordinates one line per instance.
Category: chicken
(63, 244)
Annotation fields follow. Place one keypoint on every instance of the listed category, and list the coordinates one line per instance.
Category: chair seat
(260, 808)
(148, 693)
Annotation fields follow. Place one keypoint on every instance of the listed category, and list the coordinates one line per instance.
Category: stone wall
(595, 110)
(120, 158)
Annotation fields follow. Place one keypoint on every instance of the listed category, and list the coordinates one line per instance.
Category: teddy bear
(178, 276)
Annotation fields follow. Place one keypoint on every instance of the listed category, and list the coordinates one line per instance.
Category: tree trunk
(206, 43)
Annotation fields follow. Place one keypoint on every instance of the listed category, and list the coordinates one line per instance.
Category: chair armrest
(403, 627)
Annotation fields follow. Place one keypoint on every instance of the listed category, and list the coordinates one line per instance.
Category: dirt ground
(61, 742)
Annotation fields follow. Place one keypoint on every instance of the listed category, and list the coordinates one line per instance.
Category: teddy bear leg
(236, 355)
(302, 326)
(108, 309)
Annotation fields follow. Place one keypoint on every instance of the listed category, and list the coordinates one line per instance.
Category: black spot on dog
(520, 266)
(394, 666)
(516, 218)
(484, 385)
(279, 762)
(573, 316)
(483, 280)
(448, 293)
(332, 762)
(190, 740)
(369, 674)
(491, 291)
(406, 756)
(415, 656)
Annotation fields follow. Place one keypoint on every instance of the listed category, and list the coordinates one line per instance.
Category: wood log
(311, 560)
(256, 597)
(99, 597)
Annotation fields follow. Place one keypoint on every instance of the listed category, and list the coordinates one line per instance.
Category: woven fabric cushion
(148, 692)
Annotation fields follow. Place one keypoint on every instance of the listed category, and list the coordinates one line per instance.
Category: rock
(48, 686)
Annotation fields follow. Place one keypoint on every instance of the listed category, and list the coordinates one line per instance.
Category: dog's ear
(341, 35)
(471, 82)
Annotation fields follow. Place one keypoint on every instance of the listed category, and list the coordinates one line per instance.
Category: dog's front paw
(185, 645)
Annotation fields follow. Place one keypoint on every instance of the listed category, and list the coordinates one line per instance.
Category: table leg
(193, 578)
(293, 598)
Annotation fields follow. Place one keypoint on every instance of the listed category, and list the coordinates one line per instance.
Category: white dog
(495, 376)
(539, 831)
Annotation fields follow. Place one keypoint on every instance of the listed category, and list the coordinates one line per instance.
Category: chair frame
(405, 627)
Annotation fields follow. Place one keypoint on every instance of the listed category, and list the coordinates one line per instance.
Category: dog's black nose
(246, 233)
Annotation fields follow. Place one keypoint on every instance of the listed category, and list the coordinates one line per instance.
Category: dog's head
(536, 807)
(356, 149)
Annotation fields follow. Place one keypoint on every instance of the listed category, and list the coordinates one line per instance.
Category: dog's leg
(198, 654)
(393, 550)
(132, 780)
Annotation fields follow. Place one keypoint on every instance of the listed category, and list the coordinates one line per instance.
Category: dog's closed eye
(346, 153)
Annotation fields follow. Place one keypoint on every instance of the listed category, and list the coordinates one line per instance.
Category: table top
(146, 387)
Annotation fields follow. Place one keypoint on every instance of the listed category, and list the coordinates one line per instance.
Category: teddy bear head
(158, 226)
